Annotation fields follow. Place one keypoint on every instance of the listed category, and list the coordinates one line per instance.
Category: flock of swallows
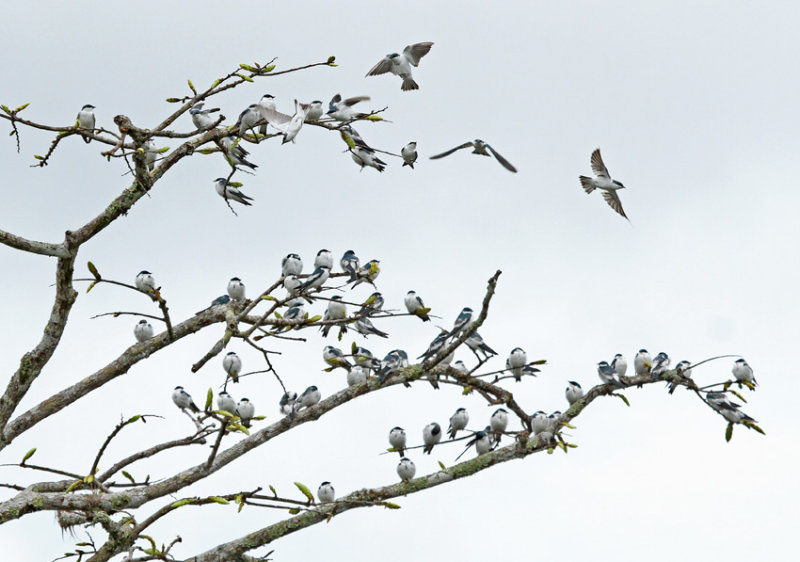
(361, 365)
(341, 112)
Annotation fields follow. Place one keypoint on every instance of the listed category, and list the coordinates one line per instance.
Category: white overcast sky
(695, 109)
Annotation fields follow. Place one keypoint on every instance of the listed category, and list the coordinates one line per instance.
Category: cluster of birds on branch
(340, 115)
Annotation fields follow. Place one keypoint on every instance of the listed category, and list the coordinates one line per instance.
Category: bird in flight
(400, 64)
(604, 182)
(479, 147)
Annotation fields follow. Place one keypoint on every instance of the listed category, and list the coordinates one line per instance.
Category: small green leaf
(240, 427)
(216, 82)
(269, 68)
(218, 499)
(272, 489)
(245, 78)
(278, 315)
(191, 87)
(225, 414)
(180, 503)
(209, 399)
(348, 140)
(36, 155)
(149, 538)
(89, 479)
(256, 338)
(173, 100)
(83, 544)
(294, 511)
(622, 397)
(566, 424)
(91, 286)
(247, 67)
(134, 419)
(374, 118)
(5, 108)
(561, 444)
(20, 108)
(572, 445)
(127, 475)
(331, 59)
(353, 348)
(268, 298)
(467, 390)
(751, 425)
(207, 150)
(316, 318)
(306, 492)
(258, 418)
(729, 432)
(162, 150)
(442, 466)
(422, 311)
(93, 270)
(74, 485)
(538, 362)
(28, 455)
(739, 396)
(389, 505)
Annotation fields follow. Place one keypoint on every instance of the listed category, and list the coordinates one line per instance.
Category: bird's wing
(503, 162)
(598, 167)
(416, 51)
(334, 101)
(275, 118)
(354, 100)
(383, 66)
(613, 201)
(452, 150)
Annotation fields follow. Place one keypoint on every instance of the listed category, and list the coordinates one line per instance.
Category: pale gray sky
(695, 110)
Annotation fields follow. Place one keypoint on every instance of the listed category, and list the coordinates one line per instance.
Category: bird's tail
(87, 140)
(587, 183)
(409, 84)
(411, 164)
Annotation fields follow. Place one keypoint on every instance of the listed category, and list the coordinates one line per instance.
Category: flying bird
(231, 193)
(85, 120)
(342, 109)
(479, 147)
(400, 64)
(603, 182)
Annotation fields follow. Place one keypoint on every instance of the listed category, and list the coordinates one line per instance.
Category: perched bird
(334, 357)
(310, 397)
(364, 327)
(336, 310)
(323, 257)
(683, 368)
(729, 410)
(85, 120)
(294, 314)
(292, 285)
(642, 362)
(619, 365)
(409, 154)
(145, 281)
(397, 439)
(394, 361)
(437, 345)
(460, 367)
(574, 392)
(316, 279)
(414, 305)
(201, 118)
(287, 402)
(351, 137)
(231, 193)
(248, 119)
(357, 375)
(476, 344)
(183, 400)
(350, 264)
(431, 435)
(291, 265)
(552, 421)
(364, 358)
(225, 403)
(400, 64)
(245, 410)
(517, 359)
(498, 423)
(232, 365)
(530, 370)
(235, 153)
(482, 441)
(265, 104)
(143, 330)
(236, 289)
(368, 273)
(539, 422)
(150, 154)
(406, 469)
(366, 157)
(326, 493)
(606, 373)
(313, 110)
(342, 109)
(462, 322)
(604, 182)
(458, 421)
(743, 372)
(660, 365)
(372, 305)
(221, 300)
(479, 147)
